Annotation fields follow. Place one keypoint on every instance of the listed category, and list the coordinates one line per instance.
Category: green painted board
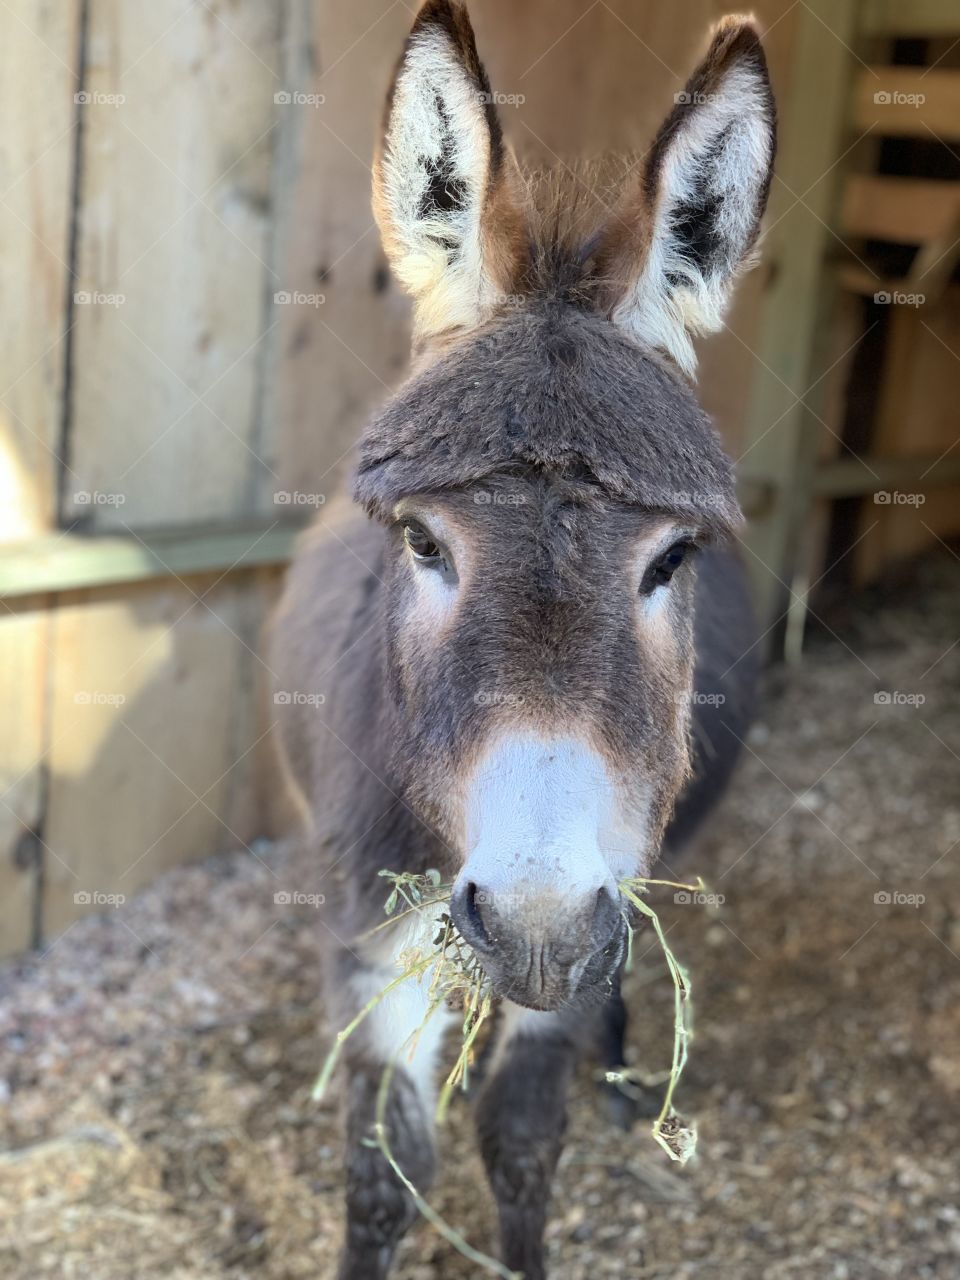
(72, 561)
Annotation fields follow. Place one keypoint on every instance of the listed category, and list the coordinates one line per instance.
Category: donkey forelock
(555, 390)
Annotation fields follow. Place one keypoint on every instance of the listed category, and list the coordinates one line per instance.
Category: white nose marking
(546, 810)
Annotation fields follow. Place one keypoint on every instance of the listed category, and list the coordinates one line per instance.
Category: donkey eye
(665, 566)
(420, 543)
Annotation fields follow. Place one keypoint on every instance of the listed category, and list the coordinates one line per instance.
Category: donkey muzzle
(538, 947)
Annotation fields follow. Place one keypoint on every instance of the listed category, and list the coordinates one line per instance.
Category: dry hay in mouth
(456, 980)
(454, 975)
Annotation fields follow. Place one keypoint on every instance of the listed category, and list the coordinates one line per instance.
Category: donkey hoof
(624, 1110)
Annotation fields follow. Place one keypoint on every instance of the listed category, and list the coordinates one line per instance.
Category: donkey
(531, 632)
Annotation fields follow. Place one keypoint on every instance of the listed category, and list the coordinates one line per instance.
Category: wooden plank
(918, 18)
(783, 432)
(901, 210)
(173, 220)
(23, 656)
(153, 707)
(259, 800)
(844, 477)
(917, 419)
(72, 562)
(908, 102)
(932, 269)
(337, 354)
(37, 85)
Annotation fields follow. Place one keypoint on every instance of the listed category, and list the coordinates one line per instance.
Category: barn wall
(202, 321)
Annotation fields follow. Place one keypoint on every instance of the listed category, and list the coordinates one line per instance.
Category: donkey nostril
(606, 918)
(469, 917)
(475, 912)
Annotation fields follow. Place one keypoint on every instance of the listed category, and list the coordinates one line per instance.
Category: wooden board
(37, 86)
(901, 210)
(24, 640)
(916, 102)
(172, 238)
(783, 435)
(918, 18)
(921, 377)
(71, 562)
(342, 348)
(153, 749)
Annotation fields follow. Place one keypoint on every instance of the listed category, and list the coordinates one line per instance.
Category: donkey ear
(686, 228)
(446, 189)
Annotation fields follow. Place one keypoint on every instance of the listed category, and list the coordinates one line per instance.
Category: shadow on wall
(145, 743)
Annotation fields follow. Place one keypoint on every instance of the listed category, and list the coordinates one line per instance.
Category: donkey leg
(379, 1209)
(622, 1109)
(521, 1119)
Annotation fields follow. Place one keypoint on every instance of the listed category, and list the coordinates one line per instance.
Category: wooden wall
(152, 375)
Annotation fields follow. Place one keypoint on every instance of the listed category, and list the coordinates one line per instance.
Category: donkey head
(546, 478)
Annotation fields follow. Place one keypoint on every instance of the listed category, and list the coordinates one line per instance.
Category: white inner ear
(437, 117)
(722, 151)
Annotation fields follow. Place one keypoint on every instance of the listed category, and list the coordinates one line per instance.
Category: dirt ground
(156, 1062)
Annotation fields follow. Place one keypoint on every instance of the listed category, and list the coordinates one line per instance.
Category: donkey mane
(570, 208)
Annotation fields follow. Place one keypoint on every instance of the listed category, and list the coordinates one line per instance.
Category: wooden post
(782, 427)
(38, 81)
